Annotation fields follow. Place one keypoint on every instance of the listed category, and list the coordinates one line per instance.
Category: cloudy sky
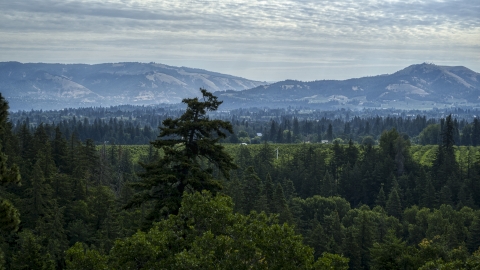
(262, 40)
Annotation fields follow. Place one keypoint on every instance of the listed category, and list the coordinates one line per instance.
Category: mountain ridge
(54, 86)
(423, 85)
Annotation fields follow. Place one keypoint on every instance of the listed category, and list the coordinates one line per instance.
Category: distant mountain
(422, 86)
(56, 86)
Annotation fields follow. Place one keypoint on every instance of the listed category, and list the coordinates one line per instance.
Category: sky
(262, 40)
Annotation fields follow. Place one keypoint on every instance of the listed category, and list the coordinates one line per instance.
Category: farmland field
(422, 154)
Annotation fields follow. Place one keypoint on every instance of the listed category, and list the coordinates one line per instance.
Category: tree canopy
(191, 153)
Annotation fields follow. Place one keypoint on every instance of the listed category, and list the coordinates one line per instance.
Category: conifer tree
(328, 186)
(51, 227)
(40, 138)
(268, 193)
(335, 231)
(59, 150)
(429, 199)
(445, 196)
(280, 204)
(273, 131)
(351, 153)
(243, 159)
(233, 189)
(365, 233)
(388, 254)
(289, 189)
(367, 188)
(280, 136)
(288, 139)
(38, 193)
(9, 216)
(338, 159)
(394, 206)
(330, 133)
(352, 249)
(445, 166)
(26, 144)
(317, 238)
(381, 199)
(30, 254)
(187, 142)
(252, 191)
(296, 128)
(476, 132)
(46, 162)
(263, 161)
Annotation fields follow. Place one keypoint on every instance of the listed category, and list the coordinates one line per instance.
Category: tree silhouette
(190, 154)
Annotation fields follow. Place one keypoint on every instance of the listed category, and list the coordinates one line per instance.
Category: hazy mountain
(56, 86)
(420, 86)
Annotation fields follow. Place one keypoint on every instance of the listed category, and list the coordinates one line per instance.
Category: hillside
(56, 86)
(422, 86)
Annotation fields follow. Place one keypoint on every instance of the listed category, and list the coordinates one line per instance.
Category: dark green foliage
(317, 239)
(73, 191)
(334, 231)
(430, 134)
(30, 254)
(381, 199)
(213, 237)
(268, 192)
(38, 193)
(351, 248)
(473, 240)
(328, 187)
(365, 233)
(445, 196)
(79, 258)
(280, 206)
(330, 133)
(263, 161)
(445, 169)
(389, 254)
(394, 148)
(9, 175)
(429, 199)
(188, 144)
(394, 206)
(252, 192)
(9, 216)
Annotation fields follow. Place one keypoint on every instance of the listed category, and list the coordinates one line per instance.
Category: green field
(422, 154)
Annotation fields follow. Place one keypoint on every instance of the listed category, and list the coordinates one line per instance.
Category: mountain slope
(423, 85)
(55, 86)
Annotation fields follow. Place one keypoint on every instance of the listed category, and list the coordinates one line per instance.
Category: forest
(384, 193)
(138, 125)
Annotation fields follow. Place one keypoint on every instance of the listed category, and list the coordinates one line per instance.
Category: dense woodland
(69, 200)
(137, 125)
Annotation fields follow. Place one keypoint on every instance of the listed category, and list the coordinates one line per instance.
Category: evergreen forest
(193, 187)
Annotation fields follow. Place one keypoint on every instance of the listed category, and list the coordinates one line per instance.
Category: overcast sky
(262, 40)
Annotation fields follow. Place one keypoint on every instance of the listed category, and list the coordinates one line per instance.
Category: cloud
(285, 32)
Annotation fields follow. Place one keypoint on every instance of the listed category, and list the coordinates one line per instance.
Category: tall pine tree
(188, 143)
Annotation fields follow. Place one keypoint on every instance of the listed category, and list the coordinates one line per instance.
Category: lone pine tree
(190, 154)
